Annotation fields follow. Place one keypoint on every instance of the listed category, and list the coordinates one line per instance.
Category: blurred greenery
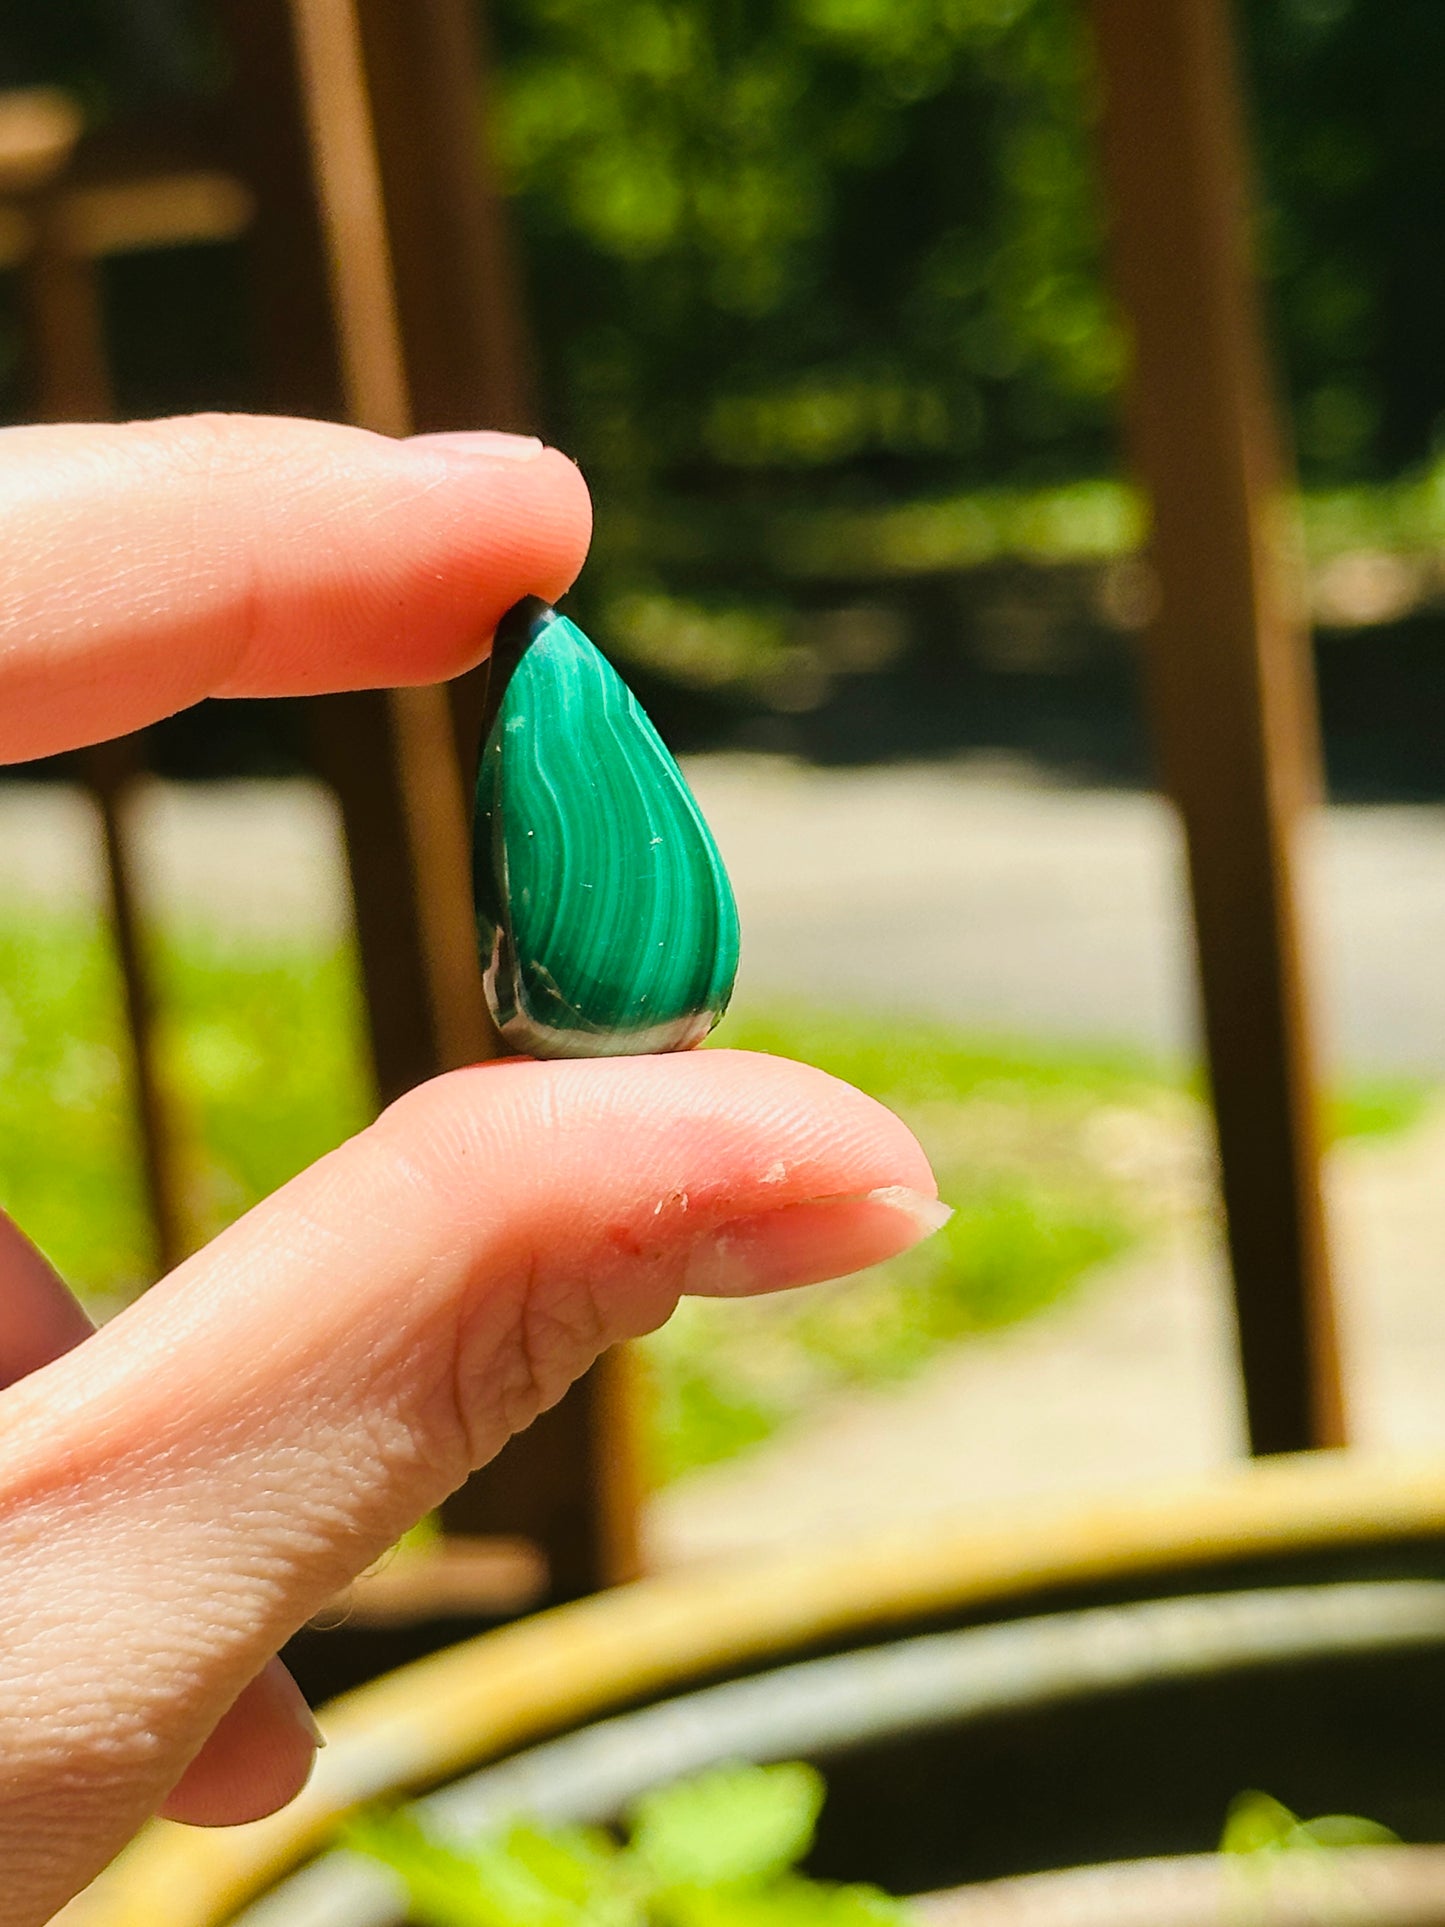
(67, 1165)
(852, 247)
(719, 1849)
(817, 299)
(848, 239)
(1257, 1823)
(259, 1053)
(1053, 1159)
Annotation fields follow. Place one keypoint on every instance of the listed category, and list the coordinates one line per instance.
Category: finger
(179, 1495)
(260, 1755)
(150, 564)
(39, 1317)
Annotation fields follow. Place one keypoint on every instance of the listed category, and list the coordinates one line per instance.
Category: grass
(1054, 1159)
(259, 1047)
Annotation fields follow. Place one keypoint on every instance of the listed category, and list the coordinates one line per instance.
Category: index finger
(150, 564)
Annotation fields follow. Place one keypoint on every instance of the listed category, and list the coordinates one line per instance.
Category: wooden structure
(1229, 671)
(385, 294)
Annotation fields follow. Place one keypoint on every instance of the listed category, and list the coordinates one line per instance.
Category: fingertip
(844, 1113)
(456, 535)
(256, 1760)
(472, 534)
(768, 1129)
(528, 517)
(570, 501)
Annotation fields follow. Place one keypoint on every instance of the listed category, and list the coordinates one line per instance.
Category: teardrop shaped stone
(604, 914)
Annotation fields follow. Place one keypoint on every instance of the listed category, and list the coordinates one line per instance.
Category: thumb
(182, 1492)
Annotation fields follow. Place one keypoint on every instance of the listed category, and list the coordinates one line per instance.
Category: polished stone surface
(604, 913)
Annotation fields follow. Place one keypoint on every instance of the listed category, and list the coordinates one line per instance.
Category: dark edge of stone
(515, 633)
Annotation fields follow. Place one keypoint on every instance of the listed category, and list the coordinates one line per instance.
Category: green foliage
(717, 1850)
(851, 239)
(68, 1160)
(1374, 1107)
(523, 1878)
(738, 1824)
(1072, 522)
(857, 241)
(1349, 147)
(1258, 1823)
(259, 1053)
(848, 252)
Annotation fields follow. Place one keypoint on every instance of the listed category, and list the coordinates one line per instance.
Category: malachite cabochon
(604, 914)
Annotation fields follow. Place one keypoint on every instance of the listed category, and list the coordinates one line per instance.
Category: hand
(180, 1491)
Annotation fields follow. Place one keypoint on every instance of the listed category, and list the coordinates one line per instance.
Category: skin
(182, 1490)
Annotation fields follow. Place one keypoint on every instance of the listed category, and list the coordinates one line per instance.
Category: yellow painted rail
(441, 1716)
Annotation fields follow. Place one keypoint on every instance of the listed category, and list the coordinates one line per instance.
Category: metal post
(1228, 666)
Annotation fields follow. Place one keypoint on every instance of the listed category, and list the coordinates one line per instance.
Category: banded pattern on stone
(604, 913)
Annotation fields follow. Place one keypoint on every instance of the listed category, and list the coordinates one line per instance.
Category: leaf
(481, 1885)
(1256, 1823)
(582, 1866)
(713, 1851)
(734, 1824)
(1342, 1830)
(789, 1902)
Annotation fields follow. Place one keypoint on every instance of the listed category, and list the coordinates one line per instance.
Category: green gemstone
(605, 917)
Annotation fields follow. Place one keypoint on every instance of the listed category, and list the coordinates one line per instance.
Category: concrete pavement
(980, 896)
(1129, 1382)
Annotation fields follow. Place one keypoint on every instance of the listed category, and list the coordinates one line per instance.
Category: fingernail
(802, 1244)
(293, 1700)
(489, 443)
(306, 1720)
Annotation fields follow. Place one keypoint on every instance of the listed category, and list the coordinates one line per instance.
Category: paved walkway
(260, 858)
(991, 900)
(971, 894)
(1130, 1381)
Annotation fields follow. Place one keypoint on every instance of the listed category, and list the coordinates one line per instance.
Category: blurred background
(814, 290)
